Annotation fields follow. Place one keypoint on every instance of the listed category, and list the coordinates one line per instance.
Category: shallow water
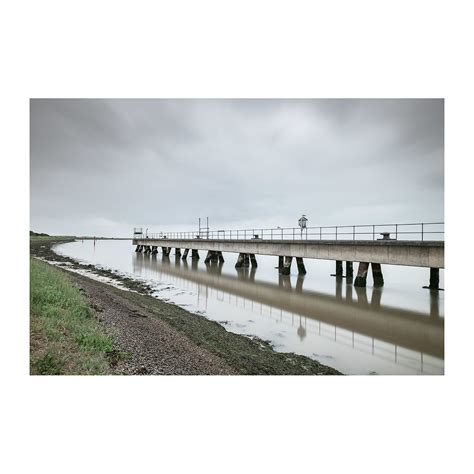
(398, 329)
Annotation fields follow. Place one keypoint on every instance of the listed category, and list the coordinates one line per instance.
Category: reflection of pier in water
(416, 331)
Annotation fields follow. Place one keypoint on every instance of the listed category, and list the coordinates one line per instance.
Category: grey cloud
(103, 166)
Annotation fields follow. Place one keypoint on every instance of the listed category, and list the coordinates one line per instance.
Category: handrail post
(320, 233)
(422, 231)
(396, 231)
(353, 232)
(373, 232)
(336, 232)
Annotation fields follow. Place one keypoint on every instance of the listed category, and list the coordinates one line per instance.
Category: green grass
(65, 336)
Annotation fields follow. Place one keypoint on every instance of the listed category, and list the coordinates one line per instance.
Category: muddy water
(398, 329)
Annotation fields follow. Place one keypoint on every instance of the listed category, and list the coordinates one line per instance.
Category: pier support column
(246, 260)
(154, 249)
(339, 272)
(212, 256)
(361, 279)
(220, 257)
(185, 254)
(377, 274)
(195, 254)
(280, 263)
(301, 267)
(349, 270)
(147, 249)
(177, 252)
(287, 266)
(434, 279)
(137, 249)
(240, 261)
(253, 260)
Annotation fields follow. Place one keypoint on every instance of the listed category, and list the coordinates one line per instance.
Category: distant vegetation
(36, 234)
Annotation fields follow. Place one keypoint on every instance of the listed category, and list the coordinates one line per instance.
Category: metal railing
(419, 231)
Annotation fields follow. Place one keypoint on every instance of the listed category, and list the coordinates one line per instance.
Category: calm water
(398, 329)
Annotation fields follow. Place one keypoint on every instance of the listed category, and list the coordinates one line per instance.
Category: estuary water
(397, 329)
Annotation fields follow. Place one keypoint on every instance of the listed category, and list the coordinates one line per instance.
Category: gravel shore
(153, 347)
(155, 337)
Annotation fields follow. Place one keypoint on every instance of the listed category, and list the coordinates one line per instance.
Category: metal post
(396, 231)
(336, 232)
(293, 233)
(422, 231)
(353, 232)
(373, 232)
(320, 233)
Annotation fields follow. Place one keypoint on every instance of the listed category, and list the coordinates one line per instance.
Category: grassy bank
(65, 338)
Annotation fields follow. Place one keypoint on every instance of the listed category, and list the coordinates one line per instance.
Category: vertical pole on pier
(361, 279)
(377, 274)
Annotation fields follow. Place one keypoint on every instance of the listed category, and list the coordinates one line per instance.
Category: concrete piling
(195, 254)
(253, 260)
(185, 254)
(377, 274)
(220, 257)
(287, 266)
(434, 279)
(208, 256)
(137, 249)
(349, 270)
(154, 249)
(301, 267)
(339, 272)
(280, 263)
(240, 261)
(246, 260)
(177, 253)
(361, 279)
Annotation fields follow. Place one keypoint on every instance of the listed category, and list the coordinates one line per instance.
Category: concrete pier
(280, 263)
(361, 279)
(220, 257)
(253, 260)
(177, 252)
(195, 254)
(185, 254)
(301, 267)
(339, 271)
(240, 261)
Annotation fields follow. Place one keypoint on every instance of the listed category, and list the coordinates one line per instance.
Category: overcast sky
(101, 167)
